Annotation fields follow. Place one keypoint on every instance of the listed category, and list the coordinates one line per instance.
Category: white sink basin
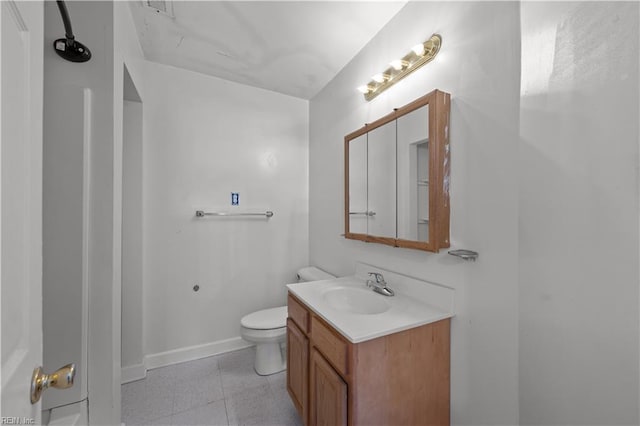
(356, 301)
(349, 306)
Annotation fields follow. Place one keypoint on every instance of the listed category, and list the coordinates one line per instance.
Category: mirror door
(357, 186)
(412, 184)
(381, 188)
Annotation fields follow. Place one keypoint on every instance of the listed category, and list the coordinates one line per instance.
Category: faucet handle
(378, 276)
(379, 285)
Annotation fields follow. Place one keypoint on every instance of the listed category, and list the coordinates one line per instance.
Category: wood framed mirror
(397, 177)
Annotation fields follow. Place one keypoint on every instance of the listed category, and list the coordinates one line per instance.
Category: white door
(21, 29)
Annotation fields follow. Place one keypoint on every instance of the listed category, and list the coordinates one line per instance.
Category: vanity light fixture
(419, 55)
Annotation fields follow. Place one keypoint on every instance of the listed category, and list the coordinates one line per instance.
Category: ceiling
(291, 47)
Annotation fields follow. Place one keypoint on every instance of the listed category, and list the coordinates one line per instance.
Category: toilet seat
(264, 336)
(267, 319)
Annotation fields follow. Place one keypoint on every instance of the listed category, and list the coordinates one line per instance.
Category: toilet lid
(267, 319)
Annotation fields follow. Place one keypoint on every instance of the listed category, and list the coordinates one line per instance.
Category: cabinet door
(357, 190)
(297, 368)
(328, 399)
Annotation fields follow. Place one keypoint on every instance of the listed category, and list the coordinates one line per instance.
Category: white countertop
(406, 310)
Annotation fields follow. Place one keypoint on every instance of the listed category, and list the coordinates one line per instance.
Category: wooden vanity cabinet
(328, 402)
(297, 367)
(400, 379)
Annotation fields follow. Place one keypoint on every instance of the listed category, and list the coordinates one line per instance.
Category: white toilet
(268, 329)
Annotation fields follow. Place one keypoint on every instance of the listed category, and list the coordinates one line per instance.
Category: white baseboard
(132, 373)
(190, 353)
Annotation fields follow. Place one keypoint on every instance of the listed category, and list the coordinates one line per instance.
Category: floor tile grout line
(224, 395)
(226, 411)
(173, 398)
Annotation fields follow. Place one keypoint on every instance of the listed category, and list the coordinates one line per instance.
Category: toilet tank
(311, 273)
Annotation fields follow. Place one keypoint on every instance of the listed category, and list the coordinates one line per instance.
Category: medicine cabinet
(397, 177)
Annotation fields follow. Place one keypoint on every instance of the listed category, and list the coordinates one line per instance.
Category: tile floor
(219, 390)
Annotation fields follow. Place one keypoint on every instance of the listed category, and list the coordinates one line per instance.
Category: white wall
(93, 26)
(132, 350)
(126, 52)
(479, 65)
(578, 203)
(64, 242)
(203, 139)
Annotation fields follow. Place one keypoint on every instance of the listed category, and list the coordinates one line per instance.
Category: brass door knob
(60, 379)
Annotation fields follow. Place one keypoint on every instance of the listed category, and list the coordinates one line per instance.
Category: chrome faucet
(379, 285)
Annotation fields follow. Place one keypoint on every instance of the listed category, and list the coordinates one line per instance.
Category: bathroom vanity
(358, 358)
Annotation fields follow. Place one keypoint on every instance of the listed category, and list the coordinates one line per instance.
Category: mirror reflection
(358, 208)
(381, 163)
(413, 175)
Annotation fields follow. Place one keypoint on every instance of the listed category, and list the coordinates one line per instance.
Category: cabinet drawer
(332, 346)
(298, 313)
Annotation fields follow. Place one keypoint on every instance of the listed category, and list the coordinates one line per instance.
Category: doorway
(132, 351)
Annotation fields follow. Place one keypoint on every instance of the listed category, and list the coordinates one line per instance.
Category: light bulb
(379, 78)
(418, 49)
(399, 64)
(364, 89)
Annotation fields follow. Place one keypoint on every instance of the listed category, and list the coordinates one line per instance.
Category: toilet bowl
(268, 329)
(265, 328)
